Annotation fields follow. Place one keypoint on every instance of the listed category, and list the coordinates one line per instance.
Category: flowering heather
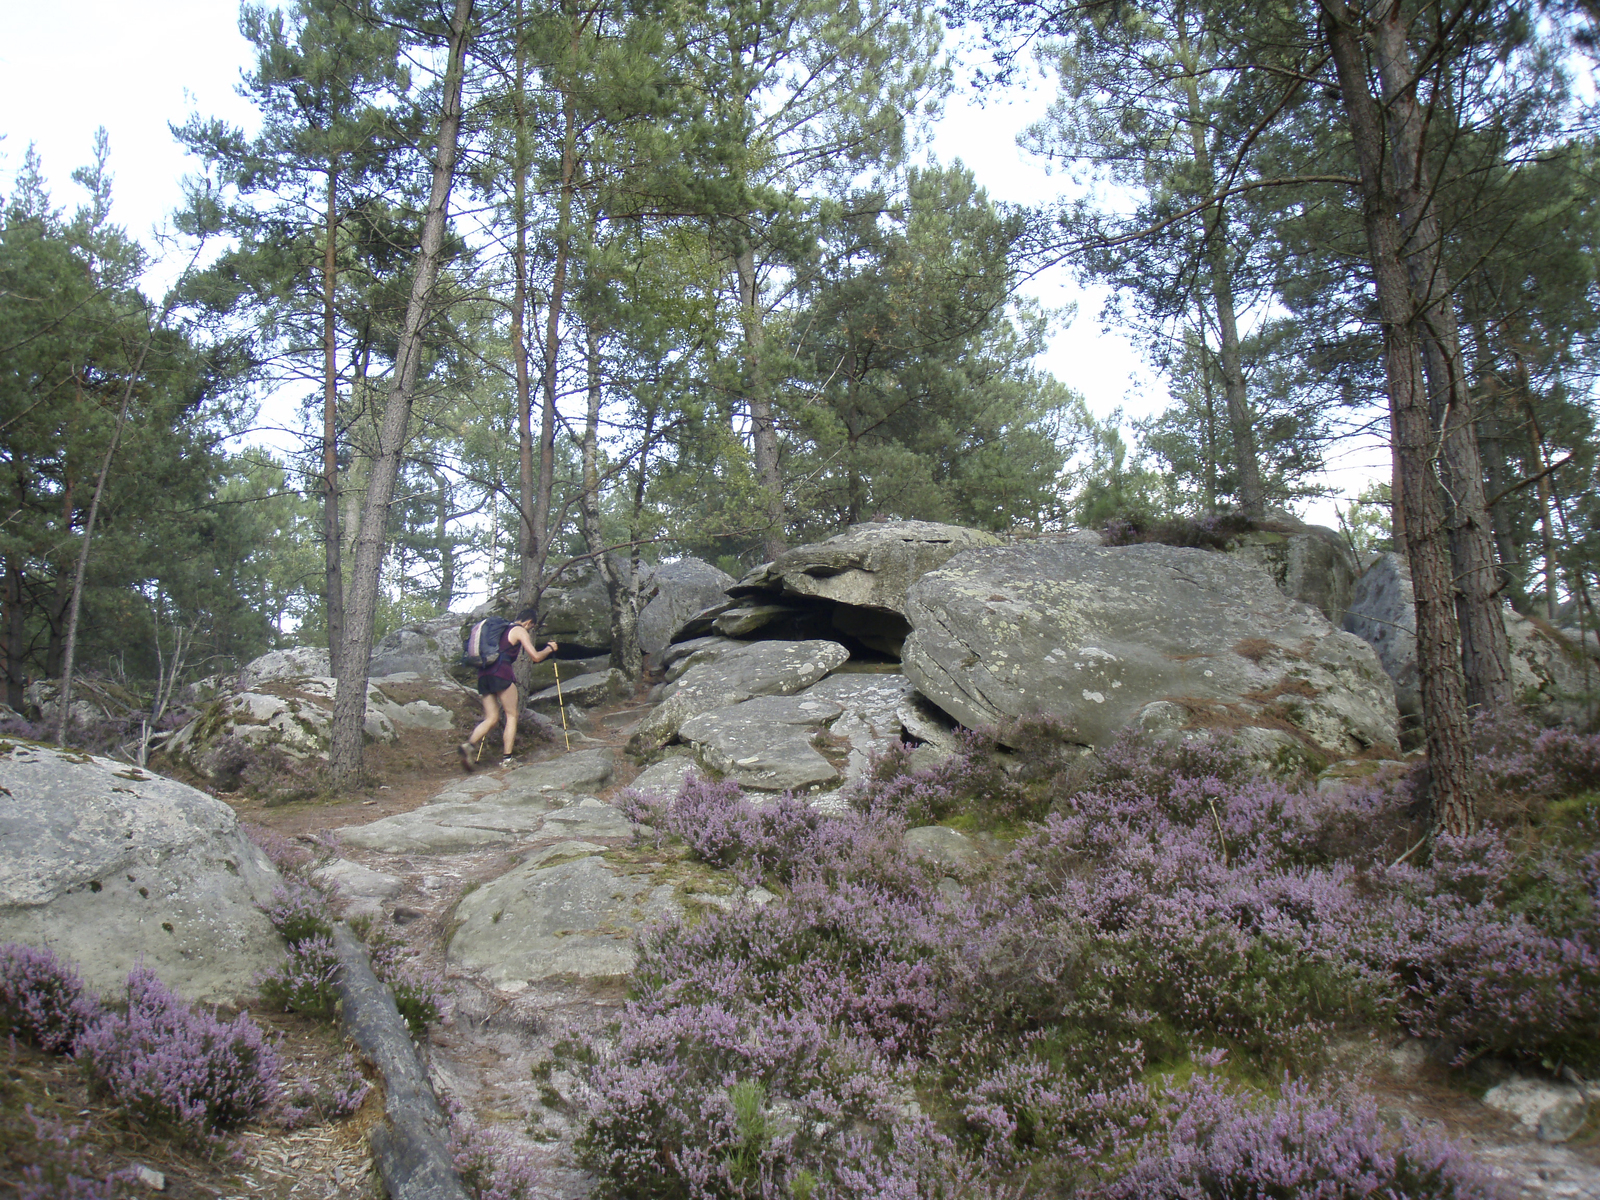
(187, 1072)
(306, 981)
(299, 911)
(1209, 1142)
(42, 999)
(290, 858)
(421, 995)
(1171, 906)
(66, 1170)
(491, 1164)
(313, 1099)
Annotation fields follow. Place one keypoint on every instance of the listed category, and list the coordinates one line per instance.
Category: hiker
(497, 686)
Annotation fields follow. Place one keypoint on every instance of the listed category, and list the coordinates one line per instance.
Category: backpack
(482, 648)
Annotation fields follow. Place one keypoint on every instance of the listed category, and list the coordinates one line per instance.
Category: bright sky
(67, 68)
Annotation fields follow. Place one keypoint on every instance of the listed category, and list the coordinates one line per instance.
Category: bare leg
(511, 708)
(491, 718)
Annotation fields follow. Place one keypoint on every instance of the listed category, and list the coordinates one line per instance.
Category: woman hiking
(497, 686)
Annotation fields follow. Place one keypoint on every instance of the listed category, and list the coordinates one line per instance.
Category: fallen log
(411, 1145)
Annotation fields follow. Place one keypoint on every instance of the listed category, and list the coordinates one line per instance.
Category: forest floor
(497, 1054)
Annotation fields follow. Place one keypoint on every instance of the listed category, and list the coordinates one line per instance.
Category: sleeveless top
(509, 652)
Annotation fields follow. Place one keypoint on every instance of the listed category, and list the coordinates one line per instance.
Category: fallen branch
(412, 1146)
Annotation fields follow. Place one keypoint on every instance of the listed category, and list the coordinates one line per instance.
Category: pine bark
(1444, 709)
(764, 426)
(333, 587)
(527, 571)
(350, 697)
(1485, 652)
(620, 581)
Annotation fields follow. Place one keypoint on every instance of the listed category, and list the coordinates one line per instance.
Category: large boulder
(870, 722)
(295, 662)
(862, 575)
(109, 866)
(293, 717)
(428, 649)
(1096, 635)
(681, 589)
(1551, 672)
(754, 669)
(576, 608)
(546, 919)
(1310, 563)
(765, 743)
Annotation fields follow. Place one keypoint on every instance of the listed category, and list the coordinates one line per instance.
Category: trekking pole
(563, 705)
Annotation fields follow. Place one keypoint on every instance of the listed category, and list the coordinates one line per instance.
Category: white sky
(71, 66)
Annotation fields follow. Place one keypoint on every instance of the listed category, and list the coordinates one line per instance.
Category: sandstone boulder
(585, 691)
(1549, 671)
(428, 649)
(108, 865)
(296, 662)
(681, 589)
(571, 918)
(861, 576)
(1309, 563)
(290, 716)
(1095, 635)
(869, 721)
(755, 669)
(576, 608)
(765, 743)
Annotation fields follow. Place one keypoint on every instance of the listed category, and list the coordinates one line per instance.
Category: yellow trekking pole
(563, 704)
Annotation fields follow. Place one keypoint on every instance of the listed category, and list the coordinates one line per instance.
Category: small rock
(151, 1178)
(942, 845)
(404, 914)
(1554, 1111)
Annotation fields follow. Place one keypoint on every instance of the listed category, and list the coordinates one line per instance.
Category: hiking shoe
(465, 751)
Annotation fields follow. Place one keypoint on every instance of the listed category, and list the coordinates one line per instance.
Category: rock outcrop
(1551, 672)
(1309, 563)
(1095, 636)
(681, 589)
(553, 917)
(108, 866)
(754, 669)
(852, 585)
(428, 649)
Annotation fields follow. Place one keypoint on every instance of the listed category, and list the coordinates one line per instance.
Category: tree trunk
(15, 635)
(333, 586)
(552, 336)
(350, 698)
(1444, 711)
(1545, 488)
(1252, 493)
(621, 585)
(527, 570)
(764, 428)
(1485, 652)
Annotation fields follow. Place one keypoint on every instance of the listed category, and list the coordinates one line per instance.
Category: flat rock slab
(108, 865)
(449, 828)
(577, 771)
(665, 778)
(1552, 1111)
(587, 817)
(571, 919)
(360, 890)
(757, 669)
(1093, 635)
(585, 691)
(680, 656)
(871, 720)
(765, 742)
(948, 847)
(871, 565)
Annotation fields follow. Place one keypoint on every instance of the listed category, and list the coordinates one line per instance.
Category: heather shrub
(1525, 764)
(64, 1169)
(1216, 532)
(184, 1072)
(318, 1099)
(298, 912)
(1210, 1141)
(235, 763)
(490, 1163)
(422, 996)
(306, 981)
(42, 1000)
(284, 853)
